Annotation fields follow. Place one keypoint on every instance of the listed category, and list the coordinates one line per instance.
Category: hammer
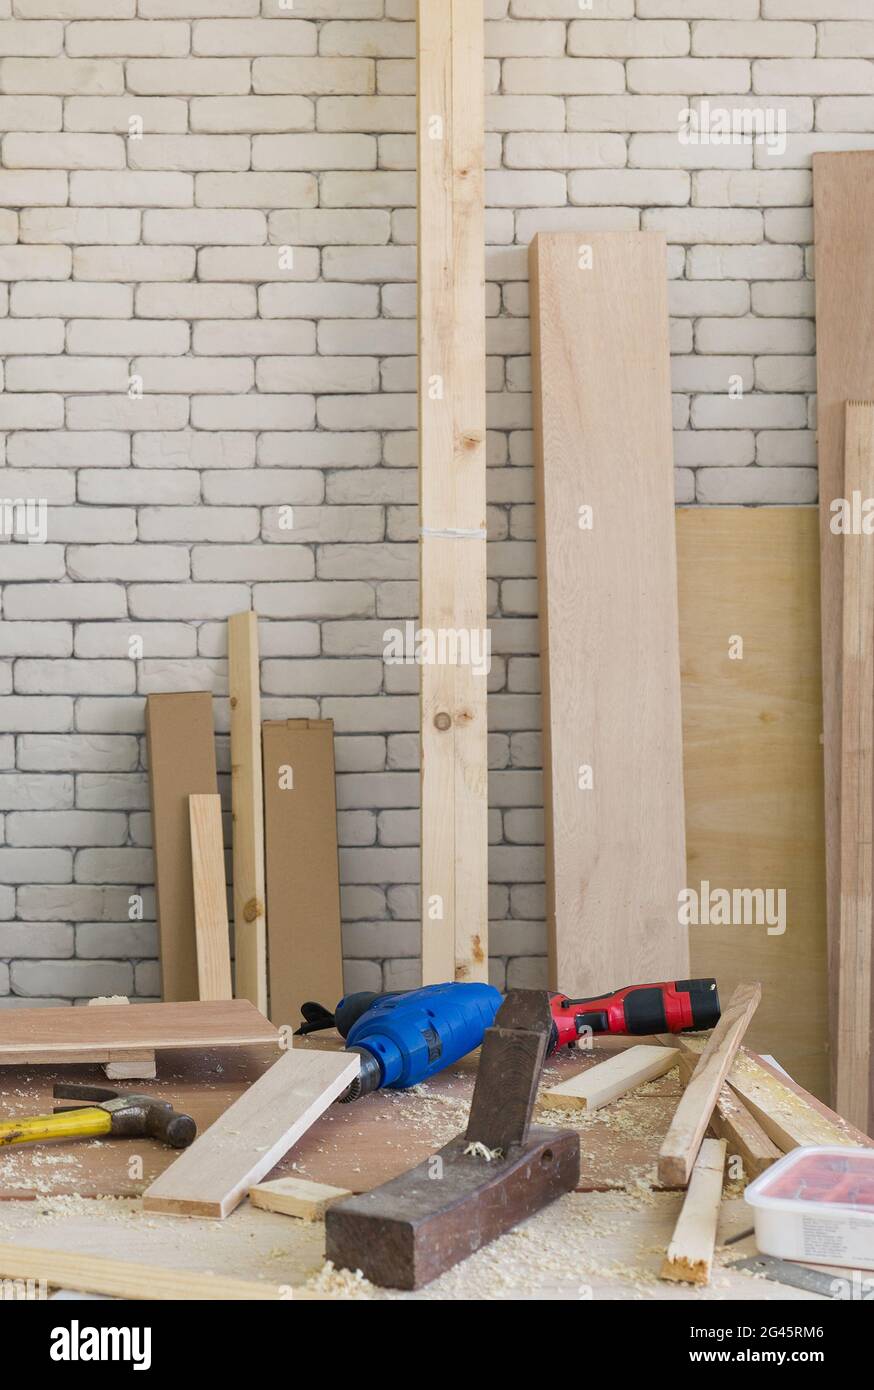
(125, 1116)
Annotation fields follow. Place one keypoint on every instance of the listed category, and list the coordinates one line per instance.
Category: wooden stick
(599, 1085)
(125, 1279)
(247, 793)
(452, 481)
(296, 1197)
(210, 898)
(248, 1140)
(857, 783)
(787, 1117)
(690, 1254)
(732, 1121)
(683, 1139)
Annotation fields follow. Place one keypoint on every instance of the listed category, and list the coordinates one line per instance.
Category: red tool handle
(677, 1006)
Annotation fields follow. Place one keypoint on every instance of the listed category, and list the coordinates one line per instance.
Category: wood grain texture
(689, 1259)
(213, 1176)
(615, 858)
(127, 1279)
(181, 747)
(843, 198)
(753, 762)
(786, 1116)
(510, 1068)
(210, 898)
(597, 1086)
(733, 1122)
(452, 483)
(247, 798)
(296, 1197)
(100, 1035)
(683, 1139)
(854, 1020)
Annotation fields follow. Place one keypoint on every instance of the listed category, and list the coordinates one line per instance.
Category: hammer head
(133, 1116)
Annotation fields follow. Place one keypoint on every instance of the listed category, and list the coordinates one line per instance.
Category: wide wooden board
(615, 859)
(753, 759)
(452, 485)
(843, 198)
(213, 1176)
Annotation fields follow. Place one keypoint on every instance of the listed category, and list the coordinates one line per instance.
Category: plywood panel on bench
(452, 482)
(608, 609)
(754, 808)
(843, 196)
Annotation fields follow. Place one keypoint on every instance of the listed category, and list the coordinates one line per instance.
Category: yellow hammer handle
(69, 1124)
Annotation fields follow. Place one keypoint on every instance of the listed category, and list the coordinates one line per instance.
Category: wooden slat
(296, 1197)
(126, 1279)
(452, 479)
(788, 1118)
(210, 898)
(213, 1176)
(615, 860)
(30, 1036)
(681, 1143)
(752, 724)
(247, 793)
(733, 1122)
(843, 196)
(597, 1086)
(181, 743)
(689, 1259)
(853, 1081)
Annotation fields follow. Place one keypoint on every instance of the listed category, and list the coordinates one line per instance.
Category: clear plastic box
(817, 1204)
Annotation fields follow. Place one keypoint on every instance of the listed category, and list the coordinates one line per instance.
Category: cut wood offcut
(690, 1254)
(600, 1084)
(296, 1197)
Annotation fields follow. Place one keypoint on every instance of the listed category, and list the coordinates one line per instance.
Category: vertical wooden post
(250, 913)
(210, 898)
(452, 472)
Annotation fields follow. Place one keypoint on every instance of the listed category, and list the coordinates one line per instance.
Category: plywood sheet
(452, 483)
(608, 608)
(843, 196)
(754, 762)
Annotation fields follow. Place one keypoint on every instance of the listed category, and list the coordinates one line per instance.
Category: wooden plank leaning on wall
(752, 722)
(613, 756)
(843, 197)
(452, 481)
(247, 794)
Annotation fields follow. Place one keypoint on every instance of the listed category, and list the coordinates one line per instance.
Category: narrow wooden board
(689, 1259)
(303, 873)
(752, 722)
(597, 1086)
(615, 857)
(181, 749)
(247, 795)
(732, 1121)
(210, 898)
(854, 1021)
(33, 1036)
(683, 1140)
(452, 485)
(213, 1176)
(126, 1279)
(843, 199)
(785, 1116)
(296, 1197)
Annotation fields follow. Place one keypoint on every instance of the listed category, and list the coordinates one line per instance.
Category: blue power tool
(404, 1038)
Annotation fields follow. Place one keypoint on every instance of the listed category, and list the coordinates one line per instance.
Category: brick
(255, 37)
(25, 189)
(528, 113)
(105, 940)
(35, 263)
(815, 9)
(189, 449)
(374, 114)
(66, 374)
(71, 828)
(31, 113)
(570, 9)
(129, 189)
(35, 866)
(751, 412)
(72, 979)
(61, 76)
(314, 152)
(48, 941)
(58, 449)
(253, 563)
(728, 226)
(133, 263)
(62, 601)
(253, 412)
(596, 38)
(188, 76)
(264, 486)
(114, 114)
(564, 76)
(199, 227)
(846, 40)
(30, 562)
(757, 39)
(698, 75)
(319, 375)
(564, 151)
(189, 152)
(745, 262)
(197, 9)
(75, 9)
(752, 188)
(256, 190)
(313, 76)
(318, 301)
(252, 115)
(187, 601)
(636, 187)
(756, 485)
(127, 563)
(626, 113)
(136, 336)
(818, 76)
(652, 151)
(206, 374)
(111, 487)
(18, 37)
(36, 639)
(67, 752)
(193, 301)
(122, 412)
(126, 39)
(80, 226)
(230, 336)
(698, 9)
(257, 263)
(31, 412)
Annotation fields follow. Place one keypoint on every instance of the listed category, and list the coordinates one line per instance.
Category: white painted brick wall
(271, 380)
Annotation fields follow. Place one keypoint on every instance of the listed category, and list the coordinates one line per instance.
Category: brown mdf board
(181, 744)
(210, 898)
(843, 198)
(854, 1021)
(91, 1035)
(213, 1176)
(452, 487)
(247, 794)
(613, 757)
(303, 876)
(753, 758)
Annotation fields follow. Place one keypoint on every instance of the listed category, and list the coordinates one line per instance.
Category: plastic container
(817, 1204)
